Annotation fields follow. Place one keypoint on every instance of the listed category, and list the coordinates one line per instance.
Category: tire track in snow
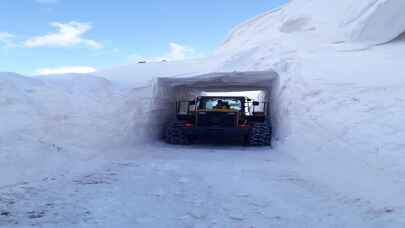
(182, 187)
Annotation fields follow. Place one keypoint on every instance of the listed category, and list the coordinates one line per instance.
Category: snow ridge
(379, 22)
(366, 21)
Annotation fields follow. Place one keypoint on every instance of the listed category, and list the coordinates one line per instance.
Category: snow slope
(341, 93)
(365, 22)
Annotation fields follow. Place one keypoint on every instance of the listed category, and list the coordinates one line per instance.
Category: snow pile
(340, 93)
(56, 110)
(50, 121)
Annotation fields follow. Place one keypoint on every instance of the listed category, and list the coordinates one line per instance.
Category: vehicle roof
(223, 97)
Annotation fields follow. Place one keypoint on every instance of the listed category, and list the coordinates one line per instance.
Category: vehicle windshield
(220, 103)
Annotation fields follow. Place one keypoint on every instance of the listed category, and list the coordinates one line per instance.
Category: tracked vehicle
(221, 117)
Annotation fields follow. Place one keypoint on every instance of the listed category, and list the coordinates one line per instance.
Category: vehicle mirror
(249, 100)
(256, 103)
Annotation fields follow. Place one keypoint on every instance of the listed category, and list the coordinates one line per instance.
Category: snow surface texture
(55, 120)
(340, 102)
(365, 22)
(341, 93)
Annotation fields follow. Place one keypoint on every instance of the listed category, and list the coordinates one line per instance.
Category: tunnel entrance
(257, 85)
(256, 94)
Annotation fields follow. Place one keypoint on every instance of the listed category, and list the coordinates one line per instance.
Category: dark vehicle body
(221, 117)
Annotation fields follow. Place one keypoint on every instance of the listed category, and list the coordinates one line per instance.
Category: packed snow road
(195, 186)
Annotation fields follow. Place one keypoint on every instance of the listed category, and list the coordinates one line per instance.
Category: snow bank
(343, 109)
(69, 119)
(51, 123)
(56, 109)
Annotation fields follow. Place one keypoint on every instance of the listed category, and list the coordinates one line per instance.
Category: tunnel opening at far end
(259, 87)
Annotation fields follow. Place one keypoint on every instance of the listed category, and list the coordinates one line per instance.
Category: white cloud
(7, 40)
(176, 52)
(68, 34)
(136, 58)
(47, 1)
(179, 52)
(67, 70)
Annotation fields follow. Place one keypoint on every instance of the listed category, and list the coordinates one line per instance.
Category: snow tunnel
(167, 91)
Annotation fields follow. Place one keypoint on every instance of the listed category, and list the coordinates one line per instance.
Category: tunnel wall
(168, 90)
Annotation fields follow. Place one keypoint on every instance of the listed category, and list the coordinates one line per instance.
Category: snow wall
(56, 123)
(169, 90)
(68, 113)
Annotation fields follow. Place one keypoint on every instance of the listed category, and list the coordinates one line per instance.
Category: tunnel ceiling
(229, 81)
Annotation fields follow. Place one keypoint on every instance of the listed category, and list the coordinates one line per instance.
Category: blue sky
(41, 35)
